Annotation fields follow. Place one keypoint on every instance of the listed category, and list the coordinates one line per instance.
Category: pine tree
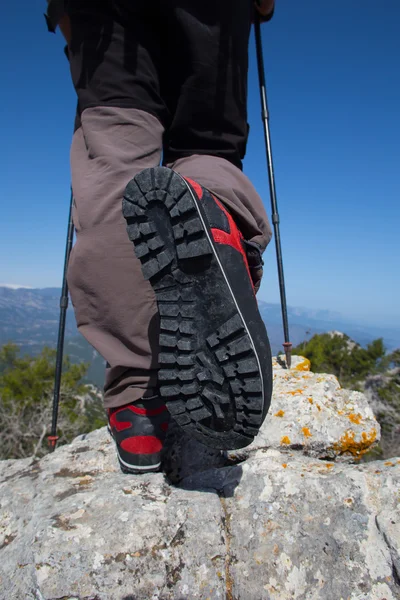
(26, 394)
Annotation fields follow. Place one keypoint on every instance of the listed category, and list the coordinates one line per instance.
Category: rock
(310, 529)
(383, 394)
(281, 524)
(311, 413)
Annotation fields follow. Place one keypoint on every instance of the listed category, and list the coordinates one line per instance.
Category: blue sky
(334, 97)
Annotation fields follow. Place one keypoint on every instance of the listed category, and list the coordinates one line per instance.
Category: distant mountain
(304, 323)
(29, 317)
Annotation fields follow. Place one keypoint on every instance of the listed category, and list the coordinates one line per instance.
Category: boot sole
(215, 361)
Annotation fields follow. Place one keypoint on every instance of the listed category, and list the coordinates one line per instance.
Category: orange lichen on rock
(348, 443)
(305, 365)
(295, 392)
(306, 432)
(318, 406)
(311, 401)
(329, 465)
(284, 465)
(389, 464)
(355, 418)
(280, 413)
(285, 441)
(369, 437)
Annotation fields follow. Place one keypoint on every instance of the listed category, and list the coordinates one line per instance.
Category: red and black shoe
(215, 359)
(139, 430)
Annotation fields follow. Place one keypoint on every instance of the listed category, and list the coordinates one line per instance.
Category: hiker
(174, 314)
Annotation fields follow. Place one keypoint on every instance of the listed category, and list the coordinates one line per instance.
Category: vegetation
(367, 369)
(26, 397)
(26, 392)
(336, 353)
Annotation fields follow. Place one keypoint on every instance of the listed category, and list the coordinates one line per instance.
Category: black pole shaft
(52, 438)
(272, 189)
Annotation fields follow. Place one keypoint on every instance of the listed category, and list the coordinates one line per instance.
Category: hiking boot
(139, 430)
(215, 361)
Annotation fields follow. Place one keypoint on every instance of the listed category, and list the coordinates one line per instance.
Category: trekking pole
(275, 216)
(53, 437)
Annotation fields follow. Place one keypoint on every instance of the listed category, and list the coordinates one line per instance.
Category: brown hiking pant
(153, 79)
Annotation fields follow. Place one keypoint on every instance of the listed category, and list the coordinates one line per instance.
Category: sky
(333, 90)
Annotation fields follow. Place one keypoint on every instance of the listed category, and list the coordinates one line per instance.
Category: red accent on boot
(142, 444)
(196, 186)
(118, 425)
(147, 411)
(234, 238)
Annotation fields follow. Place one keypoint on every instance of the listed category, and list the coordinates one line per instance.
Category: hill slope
(29, 317)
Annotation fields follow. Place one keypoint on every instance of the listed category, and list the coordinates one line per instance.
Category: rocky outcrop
(383, 394)
(287, 518)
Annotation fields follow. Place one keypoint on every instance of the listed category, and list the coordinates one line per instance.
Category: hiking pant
(156, 82)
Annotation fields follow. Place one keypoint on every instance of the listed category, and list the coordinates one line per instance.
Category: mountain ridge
(29, 317)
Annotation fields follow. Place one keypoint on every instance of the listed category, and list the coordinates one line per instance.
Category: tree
(383, 392)
(336, 353)
(26, 395)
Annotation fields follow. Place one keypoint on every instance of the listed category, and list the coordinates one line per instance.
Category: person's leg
(206, 91)
(112, 64)
(215, 362)
(238, 195)
(114, 306)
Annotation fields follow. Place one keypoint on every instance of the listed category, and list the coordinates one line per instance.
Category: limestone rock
(310, 529)
(278, 526)
(311, 413)
(272, 522)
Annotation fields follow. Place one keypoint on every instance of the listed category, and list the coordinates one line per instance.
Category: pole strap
(55, 11)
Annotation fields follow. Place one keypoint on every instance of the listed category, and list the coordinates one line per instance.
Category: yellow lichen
(389, 464)
(306, 432)
(318, 406)
(355, 418)
(285, 440)
(348, 443)
(295, 392)
(280, 413)
(305, 365)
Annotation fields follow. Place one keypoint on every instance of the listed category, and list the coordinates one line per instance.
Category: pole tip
(52, 441)
(287, 346)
